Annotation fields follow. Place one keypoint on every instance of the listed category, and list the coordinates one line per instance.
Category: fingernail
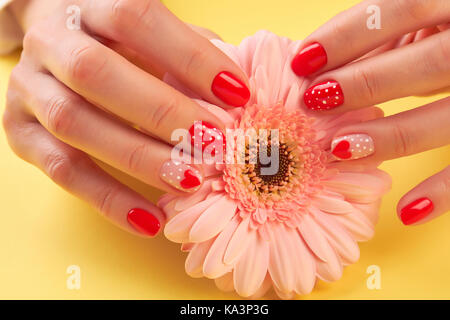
(324, 96)
(352, 146)
(181, 175)
(309, 60)
(228, 88)
(416, 211)
(204, 134)
(143, 221)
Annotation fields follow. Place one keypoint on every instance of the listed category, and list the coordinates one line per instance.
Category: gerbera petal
(251, 268)
(330, 270)
(358, 187)
(357, 224)
(186, 202)
(214, 266)
(187, 246)
(225, 282)
(339, 238)
(196, 257)
(177, 229)
(305, 268)
(265, 286)
(284, 295)
(281, 264)
(213, 220)
(238, 242)
(331, 204)
(370, 210)
(293, 97)
(315, 238)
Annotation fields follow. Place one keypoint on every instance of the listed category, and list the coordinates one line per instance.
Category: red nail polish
(203, 134)
(309, 60)
(143, 221)
(230, 89)
(416, 211)
(342, 150)
(324, 96)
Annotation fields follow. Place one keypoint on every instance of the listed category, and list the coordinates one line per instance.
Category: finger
(107, 79)
(147, 27)
(427, 201)
(414, 69)
(357, 31)
(85, 127)
(141, 60)
(74, 171)
(395, 136)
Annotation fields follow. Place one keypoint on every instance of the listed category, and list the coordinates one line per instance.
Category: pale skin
(408, 56)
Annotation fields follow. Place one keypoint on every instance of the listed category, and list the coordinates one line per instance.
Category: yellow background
(43, 229)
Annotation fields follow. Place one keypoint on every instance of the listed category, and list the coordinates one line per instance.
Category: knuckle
(59, 167)
(138, 157)
(403, 141)
(368, 86)
(85, 63)
(127, 14)
(106, 199)
(416, 10)
(193, 61)
(163, 114)
(32, 38)
(60, 115)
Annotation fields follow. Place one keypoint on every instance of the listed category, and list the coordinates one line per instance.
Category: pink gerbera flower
(251, 232)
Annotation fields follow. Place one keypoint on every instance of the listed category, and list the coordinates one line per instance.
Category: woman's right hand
(75, 94)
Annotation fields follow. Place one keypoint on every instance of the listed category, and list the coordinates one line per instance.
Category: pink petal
(357, 224)
(213, 220)
(187, 246)
(251, 269)
(196, 257)
(214, 266)
(225, 282)
(339, 238)
(370, 210)
(315, 238)
(281, 265)
(186, 202)
(357, 186)
(177, 229)
(331, 204)
(265, 286)
(284, 295)
(238, 243)
(305, 266)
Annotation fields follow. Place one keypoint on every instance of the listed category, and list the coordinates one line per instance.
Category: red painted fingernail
(416, 211)
(309, 60)
(204, 134)
(341, 150)
(143, 221)
(324, 96)
(230, 89)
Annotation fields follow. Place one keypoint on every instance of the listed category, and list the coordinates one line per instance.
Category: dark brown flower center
(261, 173)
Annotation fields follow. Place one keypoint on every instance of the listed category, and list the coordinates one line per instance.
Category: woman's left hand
(353, 66)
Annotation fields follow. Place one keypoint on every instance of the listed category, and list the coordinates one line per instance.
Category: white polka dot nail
(352, 146)
(181, 175)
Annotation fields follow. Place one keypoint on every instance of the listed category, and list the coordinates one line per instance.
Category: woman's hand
(76, 94)
(352, 66)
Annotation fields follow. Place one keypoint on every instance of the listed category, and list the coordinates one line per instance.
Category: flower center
(270, 177)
